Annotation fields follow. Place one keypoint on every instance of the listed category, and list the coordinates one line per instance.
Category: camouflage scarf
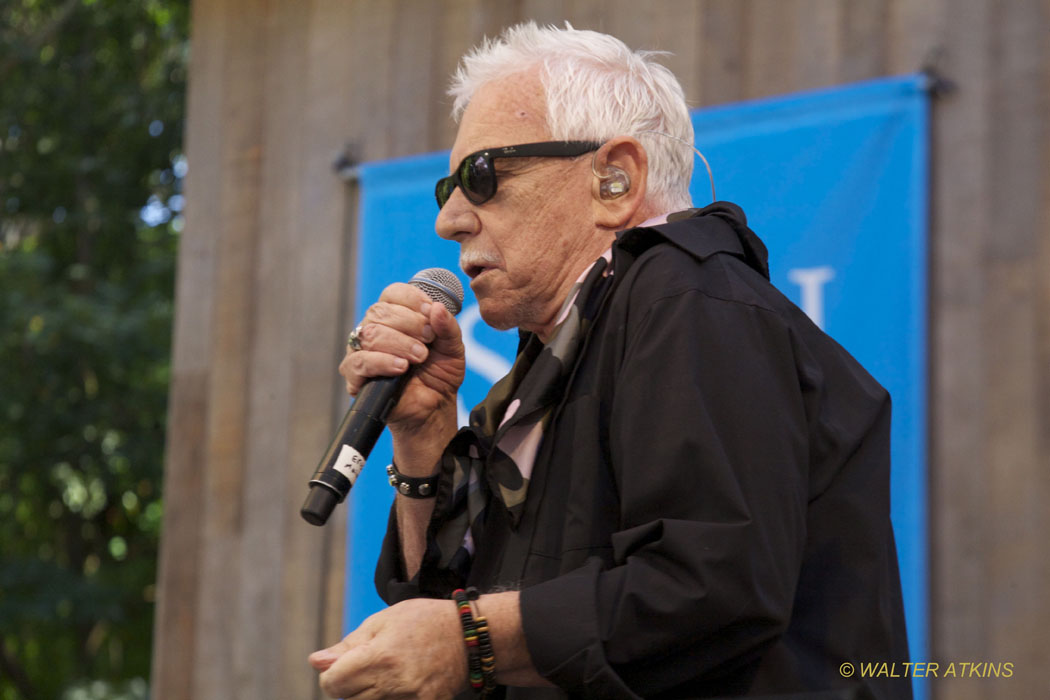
(489, 463)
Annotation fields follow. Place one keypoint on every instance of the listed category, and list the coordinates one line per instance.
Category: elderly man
(681, 488)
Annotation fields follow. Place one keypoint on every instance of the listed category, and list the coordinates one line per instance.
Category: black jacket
(709, 511)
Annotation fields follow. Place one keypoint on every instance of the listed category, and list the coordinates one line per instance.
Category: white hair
(596, 88)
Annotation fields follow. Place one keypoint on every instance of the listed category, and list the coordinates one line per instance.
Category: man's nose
(457, 218)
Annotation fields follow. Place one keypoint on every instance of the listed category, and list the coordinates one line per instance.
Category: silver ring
(354, 340)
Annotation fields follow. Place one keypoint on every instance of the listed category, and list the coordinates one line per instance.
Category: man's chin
(496, 318)
(500, 314)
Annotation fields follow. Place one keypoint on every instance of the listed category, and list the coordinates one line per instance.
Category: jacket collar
(717, 228)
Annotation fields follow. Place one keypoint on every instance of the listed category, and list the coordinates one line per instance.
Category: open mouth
(475, 269)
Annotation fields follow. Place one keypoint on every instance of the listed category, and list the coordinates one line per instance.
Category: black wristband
(412, 487)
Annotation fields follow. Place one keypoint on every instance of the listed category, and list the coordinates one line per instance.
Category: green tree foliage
(91, 120)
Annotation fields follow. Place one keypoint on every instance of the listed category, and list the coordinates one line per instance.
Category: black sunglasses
(476, 175)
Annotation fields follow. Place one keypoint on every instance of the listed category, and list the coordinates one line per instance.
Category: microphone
(365, 420)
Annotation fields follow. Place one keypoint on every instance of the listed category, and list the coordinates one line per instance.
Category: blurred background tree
(91, 120)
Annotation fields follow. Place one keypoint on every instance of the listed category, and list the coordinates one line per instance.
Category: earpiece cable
(710, 175)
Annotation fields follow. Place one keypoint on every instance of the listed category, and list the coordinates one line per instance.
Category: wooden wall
(279, 87)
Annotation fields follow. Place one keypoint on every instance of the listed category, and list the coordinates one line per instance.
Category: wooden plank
(769, 48)
(863, 40)
(463, 25)
(259, 656)
(231, 351)
(958, 444)
(452, 43)
(630, 22)
(675, 27)
(1017, 562)
(412, 99)
(587, 14)
(314, 557)
(1043, 314)
(818, 46)
(1040, 564)
(1019, 55)
(915, 33)
(544, 11)
(372, 30)
(176, 622)
(722, 53)
(491, 18)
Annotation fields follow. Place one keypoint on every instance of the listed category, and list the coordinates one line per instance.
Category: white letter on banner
(812, 281)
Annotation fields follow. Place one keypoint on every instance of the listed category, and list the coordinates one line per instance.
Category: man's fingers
(404, 294)
(351, 675)
(392, 337)
(322, 659)
(410, 650)
(359, 366)
(343, 663)
(386, 339)
(402, 319)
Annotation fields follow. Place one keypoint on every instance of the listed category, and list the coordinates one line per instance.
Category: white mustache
(477, 258)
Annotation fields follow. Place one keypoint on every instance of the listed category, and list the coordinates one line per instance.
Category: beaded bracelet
(481, 660)
(470, 636)
(488, 658)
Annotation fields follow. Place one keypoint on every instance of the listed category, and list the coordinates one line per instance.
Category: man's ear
(620, 171)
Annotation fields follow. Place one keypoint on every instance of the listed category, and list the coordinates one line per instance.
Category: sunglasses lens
(444, 189)
(477, 179)
(474, 176)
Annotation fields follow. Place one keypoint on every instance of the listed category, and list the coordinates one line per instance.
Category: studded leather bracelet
(413, 487)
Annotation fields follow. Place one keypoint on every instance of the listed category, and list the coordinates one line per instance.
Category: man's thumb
(324, 658)
(447, 336)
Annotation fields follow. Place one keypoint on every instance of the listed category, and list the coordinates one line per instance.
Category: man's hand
(394, 335)
(414, 649)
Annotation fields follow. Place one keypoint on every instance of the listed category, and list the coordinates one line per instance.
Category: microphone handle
(342, 462)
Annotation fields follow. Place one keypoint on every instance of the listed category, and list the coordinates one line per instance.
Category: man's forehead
(504, 112)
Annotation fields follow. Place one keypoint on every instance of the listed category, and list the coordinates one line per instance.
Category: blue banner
(834, 181)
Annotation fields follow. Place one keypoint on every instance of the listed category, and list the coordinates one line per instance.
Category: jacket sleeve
(707, 440)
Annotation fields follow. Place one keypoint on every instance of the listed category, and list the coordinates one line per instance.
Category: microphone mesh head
(440, 285)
